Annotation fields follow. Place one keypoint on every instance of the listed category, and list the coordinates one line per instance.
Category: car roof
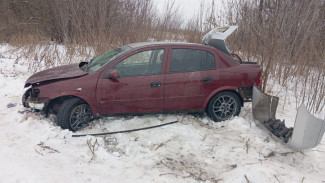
(149, 44)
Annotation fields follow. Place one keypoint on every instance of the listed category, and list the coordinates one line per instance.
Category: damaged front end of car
(307, 131)
(39, 86)
(31, 99)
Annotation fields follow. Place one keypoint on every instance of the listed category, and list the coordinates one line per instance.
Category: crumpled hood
(61, 72)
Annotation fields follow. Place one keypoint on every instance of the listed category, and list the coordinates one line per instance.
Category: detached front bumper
(307, 132)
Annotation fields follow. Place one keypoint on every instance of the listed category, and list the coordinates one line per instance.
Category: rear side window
(184, 60)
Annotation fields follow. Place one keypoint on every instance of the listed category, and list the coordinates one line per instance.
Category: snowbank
(34, 149)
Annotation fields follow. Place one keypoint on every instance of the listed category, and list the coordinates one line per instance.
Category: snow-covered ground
(34, 149)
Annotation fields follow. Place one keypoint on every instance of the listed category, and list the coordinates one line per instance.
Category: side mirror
(112, 74)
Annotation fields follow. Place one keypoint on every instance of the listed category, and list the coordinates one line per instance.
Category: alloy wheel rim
(80, 117)
(224, 107)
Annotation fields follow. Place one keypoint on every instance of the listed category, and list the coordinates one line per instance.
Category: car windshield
(102, 60)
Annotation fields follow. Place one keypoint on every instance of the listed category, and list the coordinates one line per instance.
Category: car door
(139, 86)
(191, 76)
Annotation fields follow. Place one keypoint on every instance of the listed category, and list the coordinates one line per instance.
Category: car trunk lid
(217, 37)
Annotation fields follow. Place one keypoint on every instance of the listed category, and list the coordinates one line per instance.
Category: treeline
(86, 22)
(97, 24)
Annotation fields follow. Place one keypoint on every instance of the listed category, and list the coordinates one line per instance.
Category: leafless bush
(101, 24)
(168, 25)
(286, 38)
(41, 56)
(80, 25)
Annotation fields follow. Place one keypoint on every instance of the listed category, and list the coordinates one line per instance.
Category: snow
(34, 149)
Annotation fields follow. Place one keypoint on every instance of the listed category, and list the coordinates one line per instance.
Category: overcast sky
(187, 7)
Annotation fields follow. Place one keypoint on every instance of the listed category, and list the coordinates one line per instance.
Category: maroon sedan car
(145, 78)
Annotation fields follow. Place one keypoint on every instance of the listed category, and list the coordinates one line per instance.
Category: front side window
(185, 60)
(142, 63)
(102, 60)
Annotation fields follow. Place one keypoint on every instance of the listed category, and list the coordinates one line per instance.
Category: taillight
(258, 79)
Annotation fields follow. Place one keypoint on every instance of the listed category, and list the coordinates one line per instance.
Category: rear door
(191, 76)
(139, 87)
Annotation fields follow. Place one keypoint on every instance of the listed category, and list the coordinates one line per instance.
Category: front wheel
(74, 114)
(223, 106)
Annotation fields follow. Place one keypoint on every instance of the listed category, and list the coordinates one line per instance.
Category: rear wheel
(74, 114)
(223, 106)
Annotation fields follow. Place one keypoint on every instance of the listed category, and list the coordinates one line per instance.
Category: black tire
(74, 114)
(223, 106)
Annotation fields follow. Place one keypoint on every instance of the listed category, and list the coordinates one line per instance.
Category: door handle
(207, 80)
(155, 84)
